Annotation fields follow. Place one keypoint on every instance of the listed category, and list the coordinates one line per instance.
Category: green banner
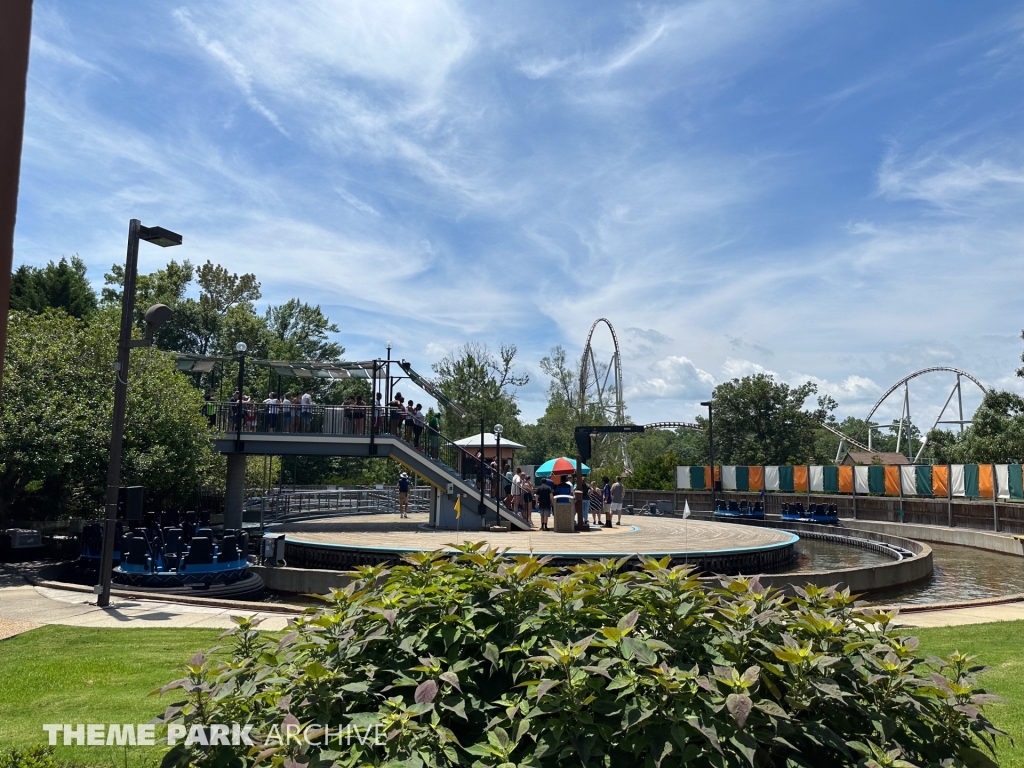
(924, 480)
(742, 478)
(971, 481)
(697, 479)
(786, 479)
(1016, 482)
(876, 479)
(830, 479)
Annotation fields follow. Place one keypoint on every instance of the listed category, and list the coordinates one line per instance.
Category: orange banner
(892, 481)
(800, 479)
(845, 479)
(755, 478)
(707, 476)
(940, 480)
(985, 480)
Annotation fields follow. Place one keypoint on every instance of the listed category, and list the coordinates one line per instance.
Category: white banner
(816, 477)
(860, 480)
(683, 478)
(908, 480)
(771, 478)
(956, 480)
(728, 478)
(1003, 480)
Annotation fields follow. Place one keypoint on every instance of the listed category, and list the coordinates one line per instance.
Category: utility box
(273, 549)
(21, 538)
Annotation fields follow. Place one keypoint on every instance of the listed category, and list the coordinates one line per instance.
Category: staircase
(439, 474)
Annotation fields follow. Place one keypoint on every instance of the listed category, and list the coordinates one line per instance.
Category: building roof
(489, 442)
(866, 457)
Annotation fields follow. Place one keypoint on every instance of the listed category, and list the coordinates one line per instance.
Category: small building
(490, 447)
(888, 458)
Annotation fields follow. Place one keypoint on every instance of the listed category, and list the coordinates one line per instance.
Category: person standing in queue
(618, 493)
(544, 495)
(403, 494)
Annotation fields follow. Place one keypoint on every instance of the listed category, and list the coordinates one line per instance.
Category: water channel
(960, 573)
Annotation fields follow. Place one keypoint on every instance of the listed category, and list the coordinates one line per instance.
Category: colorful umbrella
(560, 466)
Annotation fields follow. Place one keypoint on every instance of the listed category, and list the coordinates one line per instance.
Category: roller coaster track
(845, 437)
(674, 425)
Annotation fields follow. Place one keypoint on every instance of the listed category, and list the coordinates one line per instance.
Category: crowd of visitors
(528, 496)
(293, 412)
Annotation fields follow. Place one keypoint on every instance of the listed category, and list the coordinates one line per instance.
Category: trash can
(564, 515)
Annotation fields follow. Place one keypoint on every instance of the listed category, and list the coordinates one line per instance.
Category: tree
(761, 421)
(300, 331)
(55, 426)
(484, 385)
(657, 473)
(996, 434)
(689, 447)
(60, 286)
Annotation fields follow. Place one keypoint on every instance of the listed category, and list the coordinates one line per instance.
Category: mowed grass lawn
(72, 675)
(76, 675)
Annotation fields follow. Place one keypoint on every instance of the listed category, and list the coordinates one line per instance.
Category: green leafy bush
(32, 757)
(479, 659)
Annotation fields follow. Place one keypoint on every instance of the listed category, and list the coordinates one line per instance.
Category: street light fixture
(156, 316)
(240, 348)
(709, 404)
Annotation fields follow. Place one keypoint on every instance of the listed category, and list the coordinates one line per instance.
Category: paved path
(26, 607)
(954, 617)
(649, 535)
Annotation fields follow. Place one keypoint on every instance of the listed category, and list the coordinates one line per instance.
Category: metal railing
(360, 421)
(288, 505)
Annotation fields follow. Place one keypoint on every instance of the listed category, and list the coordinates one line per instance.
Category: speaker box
(130, 502)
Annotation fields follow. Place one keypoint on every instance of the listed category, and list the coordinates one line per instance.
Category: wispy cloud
(432, 171)
(236, 70)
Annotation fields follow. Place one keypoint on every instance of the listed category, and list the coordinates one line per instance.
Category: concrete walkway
(24, 607)
(969, 614)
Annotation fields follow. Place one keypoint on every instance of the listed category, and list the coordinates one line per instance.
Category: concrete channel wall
(994, 542)
(908, 570)
(912, 567)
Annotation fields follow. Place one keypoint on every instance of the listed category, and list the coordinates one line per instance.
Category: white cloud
(672, 378)
(983, 176)
(733, 368)
(238, 71)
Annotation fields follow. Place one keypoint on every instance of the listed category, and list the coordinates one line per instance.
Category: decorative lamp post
(240, 348)
(498, 429)
(156, 316)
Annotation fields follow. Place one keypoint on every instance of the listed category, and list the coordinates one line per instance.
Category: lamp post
(711, 446)
(240, 348)
(498, 429)
(483, 507)
(155, 317)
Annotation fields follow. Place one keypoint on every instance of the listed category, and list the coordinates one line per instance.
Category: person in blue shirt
(403, 494)
(564, 487)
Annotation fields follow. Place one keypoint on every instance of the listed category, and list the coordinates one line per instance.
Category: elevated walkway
(322, 439)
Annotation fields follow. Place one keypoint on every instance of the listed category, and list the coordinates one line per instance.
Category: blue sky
(827, 191)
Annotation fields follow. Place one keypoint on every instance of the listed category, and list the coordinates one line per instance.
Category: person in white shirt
(272, 410)
(307, 410)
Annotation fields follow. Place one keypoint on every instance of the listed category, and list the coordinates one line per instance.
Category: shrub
(33, 757)
(479, 659)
